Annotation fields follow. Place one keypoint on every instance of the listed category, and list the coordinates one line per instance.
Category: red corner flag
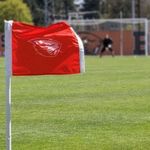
(31, 50)
(55, 49)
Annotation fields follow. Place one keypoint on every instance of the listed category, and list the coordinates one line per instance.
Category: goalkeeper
(107, 45)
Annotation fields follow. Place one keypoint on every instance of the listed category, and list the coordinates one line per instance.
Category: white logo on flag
(46, 47)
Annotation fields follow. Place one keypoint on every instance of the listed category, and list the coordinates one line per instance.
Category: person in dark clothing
(107, 45)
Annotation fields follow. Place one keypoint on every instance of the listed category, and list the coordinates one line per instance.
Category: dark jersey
(107, 42)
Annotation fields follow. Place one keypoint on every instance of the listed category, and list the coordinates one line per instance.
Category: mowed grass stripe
(107, 108)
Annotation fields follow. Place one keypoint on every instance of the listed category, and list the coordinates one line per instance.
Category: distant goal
(130, 36)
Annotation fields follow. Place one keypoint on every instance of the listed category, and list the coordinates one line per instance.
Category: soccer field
(107, 108)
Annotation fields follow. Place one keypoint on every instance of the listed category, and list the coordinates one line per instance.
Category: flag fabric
(55, 49)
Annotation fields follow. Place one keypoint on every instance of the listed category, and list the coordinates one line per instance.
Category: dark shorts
(105, 48)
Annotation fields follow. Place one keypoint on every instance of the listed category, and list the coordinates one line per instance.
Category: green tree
(92, 5)
(63, 8)
(145, 7)
(56, 8)
(108, 8)
(116, 6)
(37, 10)
(14, 10)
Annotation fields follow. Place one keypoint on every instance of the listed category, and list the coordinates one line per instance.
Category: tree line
(33, 11)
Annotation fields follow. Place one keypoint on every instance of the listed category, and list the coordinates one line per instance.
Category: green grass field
(107, 108)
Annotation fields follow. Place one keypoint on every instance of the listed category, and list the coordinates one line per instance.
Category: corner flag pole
(8, 64)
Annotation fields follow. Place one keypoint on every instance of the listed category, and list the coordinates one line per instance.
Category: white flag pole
(82, 60)
(8, 64)
(81, 51)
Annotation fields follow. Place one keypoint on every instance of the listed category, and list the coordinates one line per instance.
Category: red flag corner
(33, 50)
